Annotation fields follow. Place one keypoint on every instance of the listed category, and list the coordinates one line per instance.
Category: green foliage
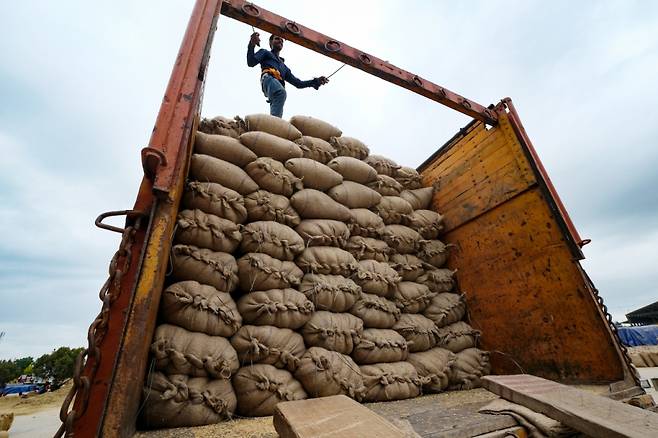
(58, 365)
(12, 369)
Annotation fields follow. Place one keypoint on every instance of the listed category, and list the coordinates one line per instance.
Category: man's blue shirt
(267, 59)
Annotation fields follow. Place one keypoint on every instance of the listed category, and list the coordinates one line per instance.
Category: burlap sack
(386, 186)
(270, 345)
(353, 169)
(402, 239)
(271, 175)
(383, 165)
(457, 337)
(313, 204)
(392, 209)
(428, 223)
(264, 144)
(411, 297)
(390, 381)
(438, 280)
(259, 271)
(375, 311)
(205, 168)
(434, 252)
(262, 205)
(272, 125)
(272, 238)
(409, 178)
(408, 266)
(223, 147)
(194, 227)
(315, 127)
(376, 278)
(354, 195)
(421, 333)
(379, 346)
(434, 367)
(327, 260)
(181, 401)
(446, 308)
(200, 308)
(330, 292)
(349, 147)
(365, 223)
(217, 269)
(283, 308)
(215, 199)
(314, 175)
(420, 199)
(323, 232)
(470, 365)
(333, 331)
(260, 387)
(178, 351)
(222, 126)
(323, 373)
(316, 149)
(367, 248)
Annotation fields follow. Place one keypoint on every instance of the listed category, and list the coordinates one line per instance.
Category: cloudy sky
(81, 83)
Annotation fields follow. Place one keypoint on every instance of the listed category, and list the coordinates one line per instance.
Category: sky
(81, 84)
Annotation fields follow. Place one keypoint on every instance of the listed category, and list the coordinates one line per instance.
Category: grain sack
(259, 271)
(412, 297)
(408, 266)
(421, 333)
(283, 308)
(349, 147)
(457, 337)
(376, 278)
(353, 169)
(446, 308)
(333, 331)
(222, 126)
(330, 292)
(470, 365)
(182, 401)
(314, 175)
(215, 199)
(363, 248)
(205, 168)
(383, 165)
(390, 381)
(420, 199)
(438, 280)
(327, 260)
(194, 227)
(386, 186)
(217, 269)
(271, 175)
(280, 347)
(316, 149)
(402, 239)
(323, 373)
(380, 345)
(392, 209)
(264, 144)
(428, 223)
(178, 351)
(365, 223)
(260, 387)
(434, 252)
(262, 205)
(223, 147)
(323, 232)
(375, 311)
(434, 367)
(313, 204)
(354, 195)
(409, 178)
(315, 127)
(200, 308)
(272, 125)
(272, 238)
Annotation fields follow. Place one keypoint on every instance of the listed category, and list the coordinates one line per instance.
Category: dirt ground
(34, 403)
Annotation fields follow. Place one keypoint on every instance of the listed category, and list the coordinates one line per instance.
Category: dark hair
(272, 37)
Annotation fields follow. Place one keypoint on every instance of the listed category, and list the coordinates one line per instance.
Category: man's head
(276, 43)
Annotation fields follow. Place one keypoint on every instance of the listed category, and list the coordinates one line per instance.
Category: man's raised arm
(253, 58)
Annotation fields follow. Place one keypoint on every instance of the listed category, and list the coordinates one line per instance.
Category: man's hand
(255, 39)
(323, 80)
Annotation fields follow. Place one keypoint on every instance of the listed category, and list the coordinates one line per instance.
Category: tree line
(57, 366)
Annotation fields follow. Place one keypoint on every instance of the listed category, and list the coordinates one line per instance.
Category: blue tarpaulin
(636, 336)
(17, 389)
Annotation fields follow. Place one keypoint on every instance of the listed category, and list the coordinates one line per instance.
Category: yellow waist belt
(274, 72)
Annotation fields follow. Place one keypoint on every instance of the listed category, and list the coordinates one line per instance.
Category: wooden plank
(586, 412)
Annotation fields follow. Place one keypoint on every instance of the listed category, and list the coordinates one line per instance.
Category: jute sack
(457, 336)
(270, 345)
(316, 149)
(386, 186)
(271, 175)
(354, 195)
(376, 278)
(434, 366)
(262, 205)
(178, 351)
(260, 387)
(428, 223)
(333, 331)
(283, 308)
(181, 401)
(200, 308)
(434, 252)
(409, 178)
(216, 199)
(315, 127)
(365, 223)
(327, 260)
(194, 227)
(408, 266)
(353, 169)
(258, 271)
(402, 239)
(205, 168)
(349, 147)
(313, 204)
(223, 147)
(330, 292)
(264, 144)
(420, 199)
(363, 248)
(272, 238)
(390, 381)
(383, 165)
(446, 308)
(470, 365)
(392, 209)
(324, 373)
(421, 333)
(314, 175)
(323, 232)
(380, 345)
(438, 280)
(217, 269)
(375, 311)
(272, 125)
(412, 297)
(222, 126)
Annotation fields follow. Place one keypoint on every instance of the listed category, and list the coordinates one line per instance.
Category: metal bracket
(152, 158)
(130, 214)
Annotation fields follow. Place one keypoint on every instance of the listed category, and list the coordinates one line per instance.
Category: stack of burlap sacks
(303, 266)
